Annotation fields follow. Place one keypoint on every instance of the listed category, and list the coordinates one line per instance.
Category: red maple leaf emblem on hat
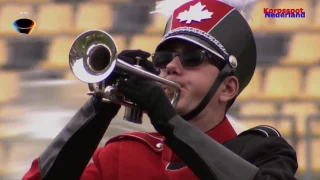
(200, 14)
(195, 13)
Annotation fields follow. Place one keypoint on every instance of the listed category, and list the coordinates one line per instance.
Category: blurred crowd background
(39, 94)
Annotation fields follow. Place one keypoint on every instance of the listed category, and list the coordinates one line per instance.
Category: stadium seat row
(315, 156)
(247, 109)
(287, 84)
(58, 54)
(58, 18)
(302, 49)
(311, 20)
(60, 46)
(260, 23)
(9, 86)
(284, 83)
(288, 80)
(300, 110)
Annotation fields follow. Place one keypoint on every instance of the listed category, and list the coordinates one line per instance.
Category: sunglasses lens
(192, 59)
(162, 59)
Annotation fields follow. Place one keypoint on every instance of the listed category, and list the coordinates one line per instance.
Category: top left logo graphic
(24, 24)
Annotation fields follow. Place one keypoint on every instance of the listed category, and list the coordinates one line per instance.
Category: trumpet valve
(111, 93)
(133, 114)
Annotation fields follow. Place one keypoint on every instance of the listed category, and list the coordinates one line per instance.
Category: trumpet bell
(91, 56)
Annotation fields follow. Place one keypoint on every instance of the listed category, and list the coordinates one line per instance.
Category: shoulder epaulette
(153, 140)
(265, 130)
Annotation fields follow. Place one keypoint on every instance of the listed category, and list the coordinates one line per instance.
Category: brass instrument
(93, 59)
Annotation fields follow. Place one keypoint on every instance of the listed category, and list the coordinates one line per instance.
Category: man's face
(195, 81)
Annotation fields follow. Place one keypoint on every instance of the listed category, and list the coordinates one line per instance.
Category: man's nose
(174, 67)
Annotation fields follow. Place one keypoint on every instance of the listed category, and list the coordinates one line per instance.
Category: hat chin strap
(225, 71)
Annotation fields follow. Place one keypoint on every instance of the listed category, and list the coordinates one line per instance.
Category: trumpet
(93, 59)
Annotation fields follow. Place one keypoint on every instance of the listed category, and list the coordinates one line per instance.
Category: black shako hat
(221, 28)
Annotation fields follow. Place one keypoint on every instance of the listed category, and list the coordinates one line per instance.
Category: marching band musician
(209, 49)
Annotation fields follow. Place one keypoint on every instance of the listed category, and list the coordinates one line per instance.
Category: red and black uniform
(187, 153)
(145, 156)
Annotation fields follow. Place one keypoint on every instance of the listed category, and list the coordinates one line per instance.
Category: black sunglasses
(187, 59)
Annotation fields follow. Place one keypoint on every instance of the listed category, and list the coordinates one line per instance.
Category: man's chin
(180, 109)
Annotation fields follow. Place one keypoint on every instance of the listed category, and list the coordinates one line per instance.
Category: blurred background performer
(209, 49)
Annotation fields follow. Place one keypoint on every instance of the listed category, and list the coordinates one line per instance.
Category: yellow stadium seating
(315, 164)
(254, 87)
(258, 22)
(263, 109)
(315, 127)
(70, 76)
(315, 25)
(144, 42)
(301, 111)
(257, 109)
(54, 19)
(315, 156)
(292, 24)
(303, 50)
(93, 16)
(16, 130)
(9, 133)
(58, 54)
(30, 1)
(301, 156)
(4, 52)
(158, 24)
(10, 88)
(8, 14)
(81, 88)
(282, 83)
(13, 112)
(12, 171)
(314, 124)
(311, 89)
(120, 41)
(19, 158)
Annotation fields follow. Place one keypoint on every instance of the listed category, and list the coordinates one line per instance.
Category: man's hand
(152, 98)
(146, 93)
(130, 57)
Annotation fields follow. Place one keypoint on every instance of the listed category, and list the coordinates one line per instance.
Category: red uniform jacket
(138, 155)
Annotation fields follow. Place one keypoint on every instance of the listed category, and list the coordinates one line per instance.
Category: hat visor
(194, 40)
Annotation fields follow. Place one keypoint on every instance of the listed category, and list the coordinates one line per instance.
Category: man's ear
(230, 88)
